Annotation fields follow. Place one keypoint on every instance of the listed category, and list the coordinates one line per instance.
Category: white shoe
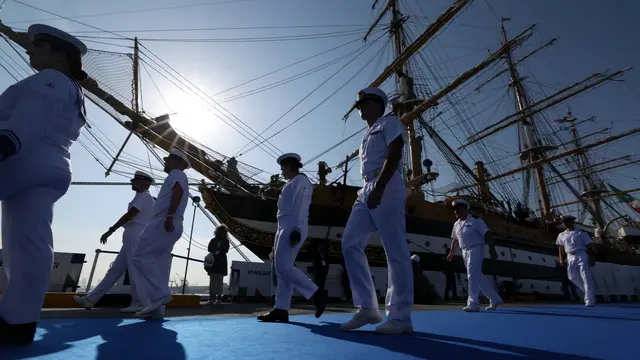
(83, 302)
(393, 327)
(589, 305)
(470, 308)
(361, 318)
(494, 306)
(132, 309)
(155, 314)
(154, 306)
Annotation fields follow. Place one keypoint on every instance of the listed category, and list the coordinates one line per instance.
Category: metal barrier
(98, 252)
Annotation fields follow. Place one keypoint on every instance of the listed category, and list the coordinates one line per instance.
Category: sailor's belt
(371, 176)
(471, 246)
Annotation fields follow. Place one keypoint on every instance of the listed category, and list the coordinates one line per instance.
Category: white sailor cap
(461, 201)
(568, 217)
(181, 155)
(415, 258)
(288, 156)
(40, 29)
(142, 175)
(372, 91)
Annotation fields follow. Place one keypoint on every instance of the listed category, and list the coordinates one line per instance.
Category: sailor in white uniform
(40, 118)
(575, 244)
(471, 235)
(139, 214)
(152, 254)
(380, 206)
(293, 227)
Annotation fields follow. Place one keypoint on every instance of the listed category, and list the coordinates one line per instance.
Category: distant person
(450, 278)
(568, 288)
(293, 227)
(344, 281)
(380, 207)
(575, 245)
(318, 249)
(152, 255)
(420, 284)
(218, 247)
(41, 117)
(138, 215)
(471, 235)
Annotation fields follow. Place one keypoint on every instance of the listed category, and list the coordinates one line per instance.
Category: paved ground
(236, 309)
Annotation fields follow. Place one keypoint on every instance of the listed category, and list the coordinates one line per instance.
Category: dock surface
(515, 331)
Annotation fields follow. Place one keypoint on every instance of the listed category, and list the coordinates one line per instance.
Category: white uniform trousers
(473, 258)
(152, 260)
(579, 273)
(123, 262)
(389, 220)
(289, 276)
(28, 197)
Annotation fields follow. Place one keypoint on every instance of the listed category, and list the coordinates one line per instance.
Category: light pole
(194, 201)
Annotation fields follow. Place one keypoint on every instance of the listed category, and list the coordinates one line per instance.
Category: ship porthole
(502, 253)
(427, 244)
(530, 258)
(339, 235)
(513, 255)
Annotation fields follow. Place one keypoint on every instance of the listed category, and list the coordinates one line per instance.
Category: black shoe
(275, 315)
(17, 334)
(320, 301)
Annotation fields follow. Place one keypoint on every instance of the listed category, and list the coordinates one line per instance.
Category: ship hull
(252, 220)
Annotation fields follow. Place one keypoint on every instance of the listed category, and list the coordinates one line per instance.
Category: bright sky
(592, 38)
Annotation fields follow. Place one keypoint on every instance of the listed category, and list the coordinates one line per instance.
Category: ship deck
(550, 331)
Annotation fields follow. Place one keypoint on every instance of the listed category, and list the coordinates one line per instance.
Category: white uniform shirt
(43, 115)
(576, 240)
(374, 146)
(161, 206)
(294, 200)
(143, 201)
(469, 232)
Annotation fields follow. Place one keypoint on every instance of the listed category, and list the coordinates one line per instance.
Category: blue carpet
(544, 332)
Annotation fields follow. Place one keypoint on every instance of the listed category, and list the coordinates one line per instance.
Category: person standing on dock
(40, 119)
(575, 244)
(152, 255)
(450, 278)
(293, 227)
(218, 247)
(471, 235)
(380, 206)
(138, 215)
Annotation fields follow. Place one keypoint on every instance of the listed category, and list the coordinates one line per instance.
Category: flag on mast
(626, 198)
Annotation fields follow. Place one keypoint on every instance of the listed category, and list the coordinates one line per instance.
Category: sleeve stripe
(14, 139)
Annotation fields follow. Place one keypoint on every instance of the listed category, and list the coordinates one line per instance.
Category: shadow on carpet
(121, 340)
(433, 346)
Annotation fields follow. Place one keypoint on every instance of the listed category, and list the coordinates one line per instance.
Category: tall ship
(522, 191)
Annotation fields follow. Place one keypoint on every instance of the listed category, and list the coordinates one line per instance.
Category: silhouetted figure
(318, 250)
(420, 283)
(450, 276)
(345, 282)
(568, 288)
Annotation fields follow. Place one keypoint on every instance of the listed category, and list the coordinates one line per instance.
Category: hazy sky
(592, 38)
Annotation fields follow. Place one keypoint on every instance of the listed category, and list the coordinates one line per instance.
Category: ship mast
(592, 190)
(405, 88)
(533, 150)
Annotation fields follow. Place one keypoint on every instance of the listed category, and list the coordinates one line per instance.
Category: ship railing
(100, 251)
